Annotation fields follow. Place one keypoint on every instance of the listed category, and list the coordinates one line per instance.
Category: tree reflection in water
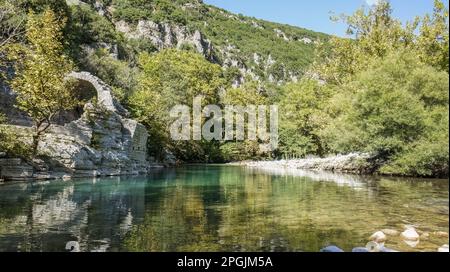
(220, 208)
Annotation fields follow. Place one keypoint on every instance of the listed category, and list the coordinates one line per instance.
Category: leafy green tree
(377, 34)
(397, 107)
(10, 143)
(433, 41)
(116, 73)
(173, 77)
(41, 69)
(302, 118)
(251, 93)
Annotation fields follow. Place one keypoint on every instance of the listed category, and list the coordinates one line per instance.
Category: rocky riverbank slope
(355, 163)
(103, 141)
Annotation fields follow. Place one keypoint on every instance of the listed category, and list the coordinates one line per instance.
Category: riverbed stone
(390, 232)
(443, 248)
(410, 234)
(331, 249)
(387, 250)
(441, 234)
(360, 249)
(378, 237)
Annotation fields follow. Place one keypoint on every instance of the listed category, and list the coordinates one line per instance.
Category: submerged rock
(410, 234)
(443, 248)
(331, 249)
(412, 243)
(390, 232)
(385, 249)
(425, 236)
(373, 247)
(360, 249)
(441, 234)
(378, 237)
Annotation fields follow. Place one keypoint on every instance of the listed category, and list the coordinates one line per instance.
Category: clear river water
(222, 208)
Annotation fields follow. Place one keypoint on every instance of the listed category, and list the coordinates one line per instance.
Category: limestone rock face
(164, 35)
(102, 142)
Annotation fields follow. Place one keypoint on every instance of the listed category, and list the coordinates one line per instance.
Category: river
(221, 208)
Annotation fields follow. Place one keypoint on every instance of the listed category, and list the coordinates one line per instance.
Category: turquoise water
(221, 208)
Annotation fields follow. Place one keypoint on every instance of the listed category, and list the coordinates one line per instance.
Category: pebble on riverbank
(378, 237)
(410, 234)
(440, 234)
(391, 232)
(444, 248)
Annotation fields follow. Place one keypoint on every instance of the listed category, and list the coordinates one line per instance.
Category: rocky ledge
(104, 141)
(355, 163)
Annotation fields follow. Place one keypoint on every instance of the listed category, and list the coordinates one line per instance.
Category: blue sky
(315, 14)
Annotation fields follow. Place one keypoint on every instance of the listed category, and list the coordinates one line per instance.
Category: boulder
(410, 234)
(412, 244)
(390, 232)
(360, 249)
(443, 248)
(378, 237)
(331, 249)
(387, 250)
(441, 234)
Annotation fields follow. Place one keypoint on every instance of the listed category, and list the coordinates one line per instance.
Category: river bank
(354, 163)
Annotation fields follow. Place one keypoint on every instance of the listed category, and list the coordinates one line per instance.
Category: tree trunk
(35, 145)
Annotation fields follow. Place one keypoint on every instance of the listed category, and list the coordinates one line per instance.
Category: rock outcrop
(165, 35)
(104, 141)
(354, 163)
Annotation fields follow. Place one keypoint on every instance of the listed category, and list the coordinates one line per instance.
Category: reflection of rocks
(56, 211)
(96, 216)
(340, 179)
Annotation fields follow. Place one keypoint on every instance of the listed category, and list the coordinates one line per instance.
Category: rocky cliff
(165, 35)
(102, 142)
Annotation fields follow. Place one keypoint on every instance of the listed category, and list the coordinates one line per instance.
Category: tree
(433, 41)
(376, 34)
(41, 68)
(302, 118)
(11, 25)
(173, 77)
(251, 93)
(396, 108)
(10, 143)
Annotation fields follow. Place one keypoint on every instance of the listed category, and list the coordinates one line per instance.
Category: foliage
(41, 68)
(377, 34)
(248, 94)
(170, 78)
(302, 118)
(397, 107)
(114, 72)
(10, 143)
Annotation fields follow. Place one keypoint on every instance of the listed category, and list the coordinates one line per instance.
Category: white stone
(378, 237)
(410, 234)
(443, 248)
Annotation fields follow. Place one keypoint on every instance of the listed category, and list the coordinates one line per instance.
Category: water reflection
(220, 208)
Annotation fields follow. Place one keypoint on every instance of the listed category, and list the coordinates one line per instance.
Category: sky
(315, 14)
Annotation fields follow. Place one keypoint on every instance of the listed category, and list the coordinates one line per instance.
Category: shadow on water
(220, 208)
